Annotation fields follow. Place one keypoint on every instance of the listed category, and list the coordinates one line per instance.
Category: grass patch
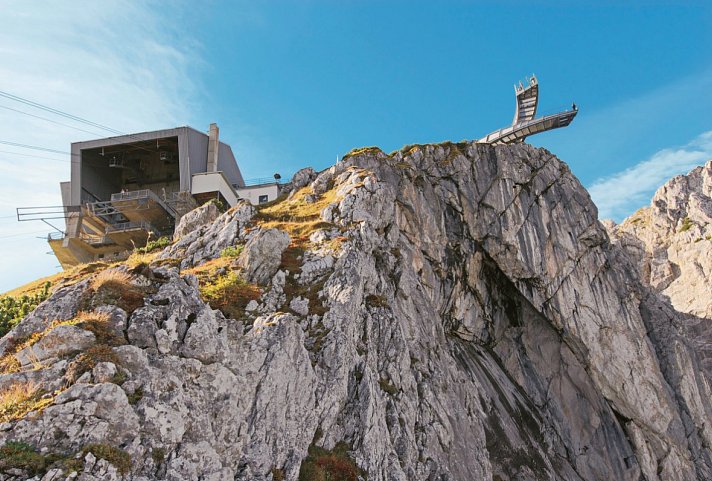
(372, 150)
(19, 455)
(158, 455)
(686, 225)
(119, 458)
(387, 387)
(232, 251)
(277, 474)
(99, 324)
(298, 217)
(373, 300)
(21, 398)
(136, 396)
(115, 287)
(14, 309)
(230, 294)
(153, 245)
(87, 360)
(334, 465)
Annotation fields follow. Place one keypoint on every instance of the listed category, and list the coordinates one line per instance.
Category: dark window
(263, 199)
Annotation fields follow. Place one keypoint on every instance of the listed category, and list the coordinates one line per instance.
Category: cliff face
(448, 312)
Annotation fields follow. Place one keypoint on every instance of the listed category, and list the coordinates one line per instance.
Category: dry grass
(87, 360)
(296, 216)
(19, 399)
(113, 286)
(111, 278)
(99, 324)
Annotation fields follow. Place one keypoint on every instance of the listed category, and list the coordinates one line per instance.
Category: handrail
(124, 226)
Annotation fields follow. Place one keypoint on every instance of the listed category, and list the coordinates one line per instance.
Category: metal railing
(56, 236)
(126, 226)
(262, 180)
(134, 194)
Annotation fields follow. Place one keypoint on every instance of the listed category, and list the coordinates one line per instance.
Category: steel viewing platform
(525, 123)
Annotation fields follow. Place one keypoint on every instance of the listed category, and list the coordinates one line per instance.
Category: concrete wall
(253, 193)
(228, 164)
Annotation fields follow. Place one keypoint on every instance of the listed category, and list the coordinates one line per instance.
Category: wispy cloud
(619, 195)
(115, 63)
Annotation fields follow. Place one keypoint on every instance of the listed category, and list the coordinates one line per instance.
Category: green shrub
(151, 246)
(232, 251)
(14, 309)
(334, 465)
(686, 224)
(230, 294)
(19, 455)
(117, 457)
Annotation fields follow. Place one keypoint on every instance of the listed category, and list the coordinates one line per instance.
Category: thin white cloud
(619, 195)
(112, 62)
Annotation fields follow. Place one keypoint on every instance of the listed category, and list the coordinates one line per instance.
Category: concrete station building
(128, 189)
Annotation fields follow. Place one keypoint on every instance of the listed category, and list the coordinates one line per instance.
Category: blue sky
(297, 83)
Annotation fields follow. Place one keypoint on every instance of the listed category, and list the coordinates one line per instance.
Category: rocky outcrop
(453, 312)
(262, 255)
(196, 218)
(204, 241)
(671, 241)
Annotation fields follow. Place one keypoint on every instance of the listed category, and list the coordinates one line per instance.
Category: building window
(263, 199)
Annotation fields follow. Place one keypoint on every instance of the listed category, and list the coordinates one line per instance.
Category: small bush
(277, 474)
(686, 224)
(14, 309)
(136, 396)
(19, 455)
(387, 387)
(334, 465)
(376, 301)
(232, 251)
(230, 293)
(119, 458)
(158, 455)
(153, 245)
(87, 360)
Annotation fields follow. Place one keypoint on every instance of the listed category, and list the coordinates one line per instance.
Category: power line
(58, 112)
(49, 120)
(30, 155)
(22, 234)
(34, 147)
(76, 118)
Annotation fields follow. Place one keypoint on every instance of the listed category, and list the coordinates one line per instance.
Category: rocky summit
(443, 312)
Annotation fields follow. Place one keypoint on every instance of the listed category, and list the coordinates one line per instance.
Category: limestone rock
(262, 255)
(671, 241)
(196, 218)
(460, 314)
(57, 342)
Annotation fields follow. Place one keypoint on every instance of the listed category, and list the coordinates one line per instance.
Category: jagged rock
(302, 178)
(475, 323)
(104, 372)
(262, 255)
(671, 241)
(62, 305)
(208, 241)
(198, 217)
(299, 305)
(57, 342)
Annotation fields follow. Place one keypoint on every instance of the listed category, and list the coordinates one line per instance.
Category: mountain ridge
(450, 311)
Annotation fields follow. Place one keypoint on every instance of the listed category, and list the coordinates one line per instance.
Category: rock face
(671, 241)
(457, 312)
